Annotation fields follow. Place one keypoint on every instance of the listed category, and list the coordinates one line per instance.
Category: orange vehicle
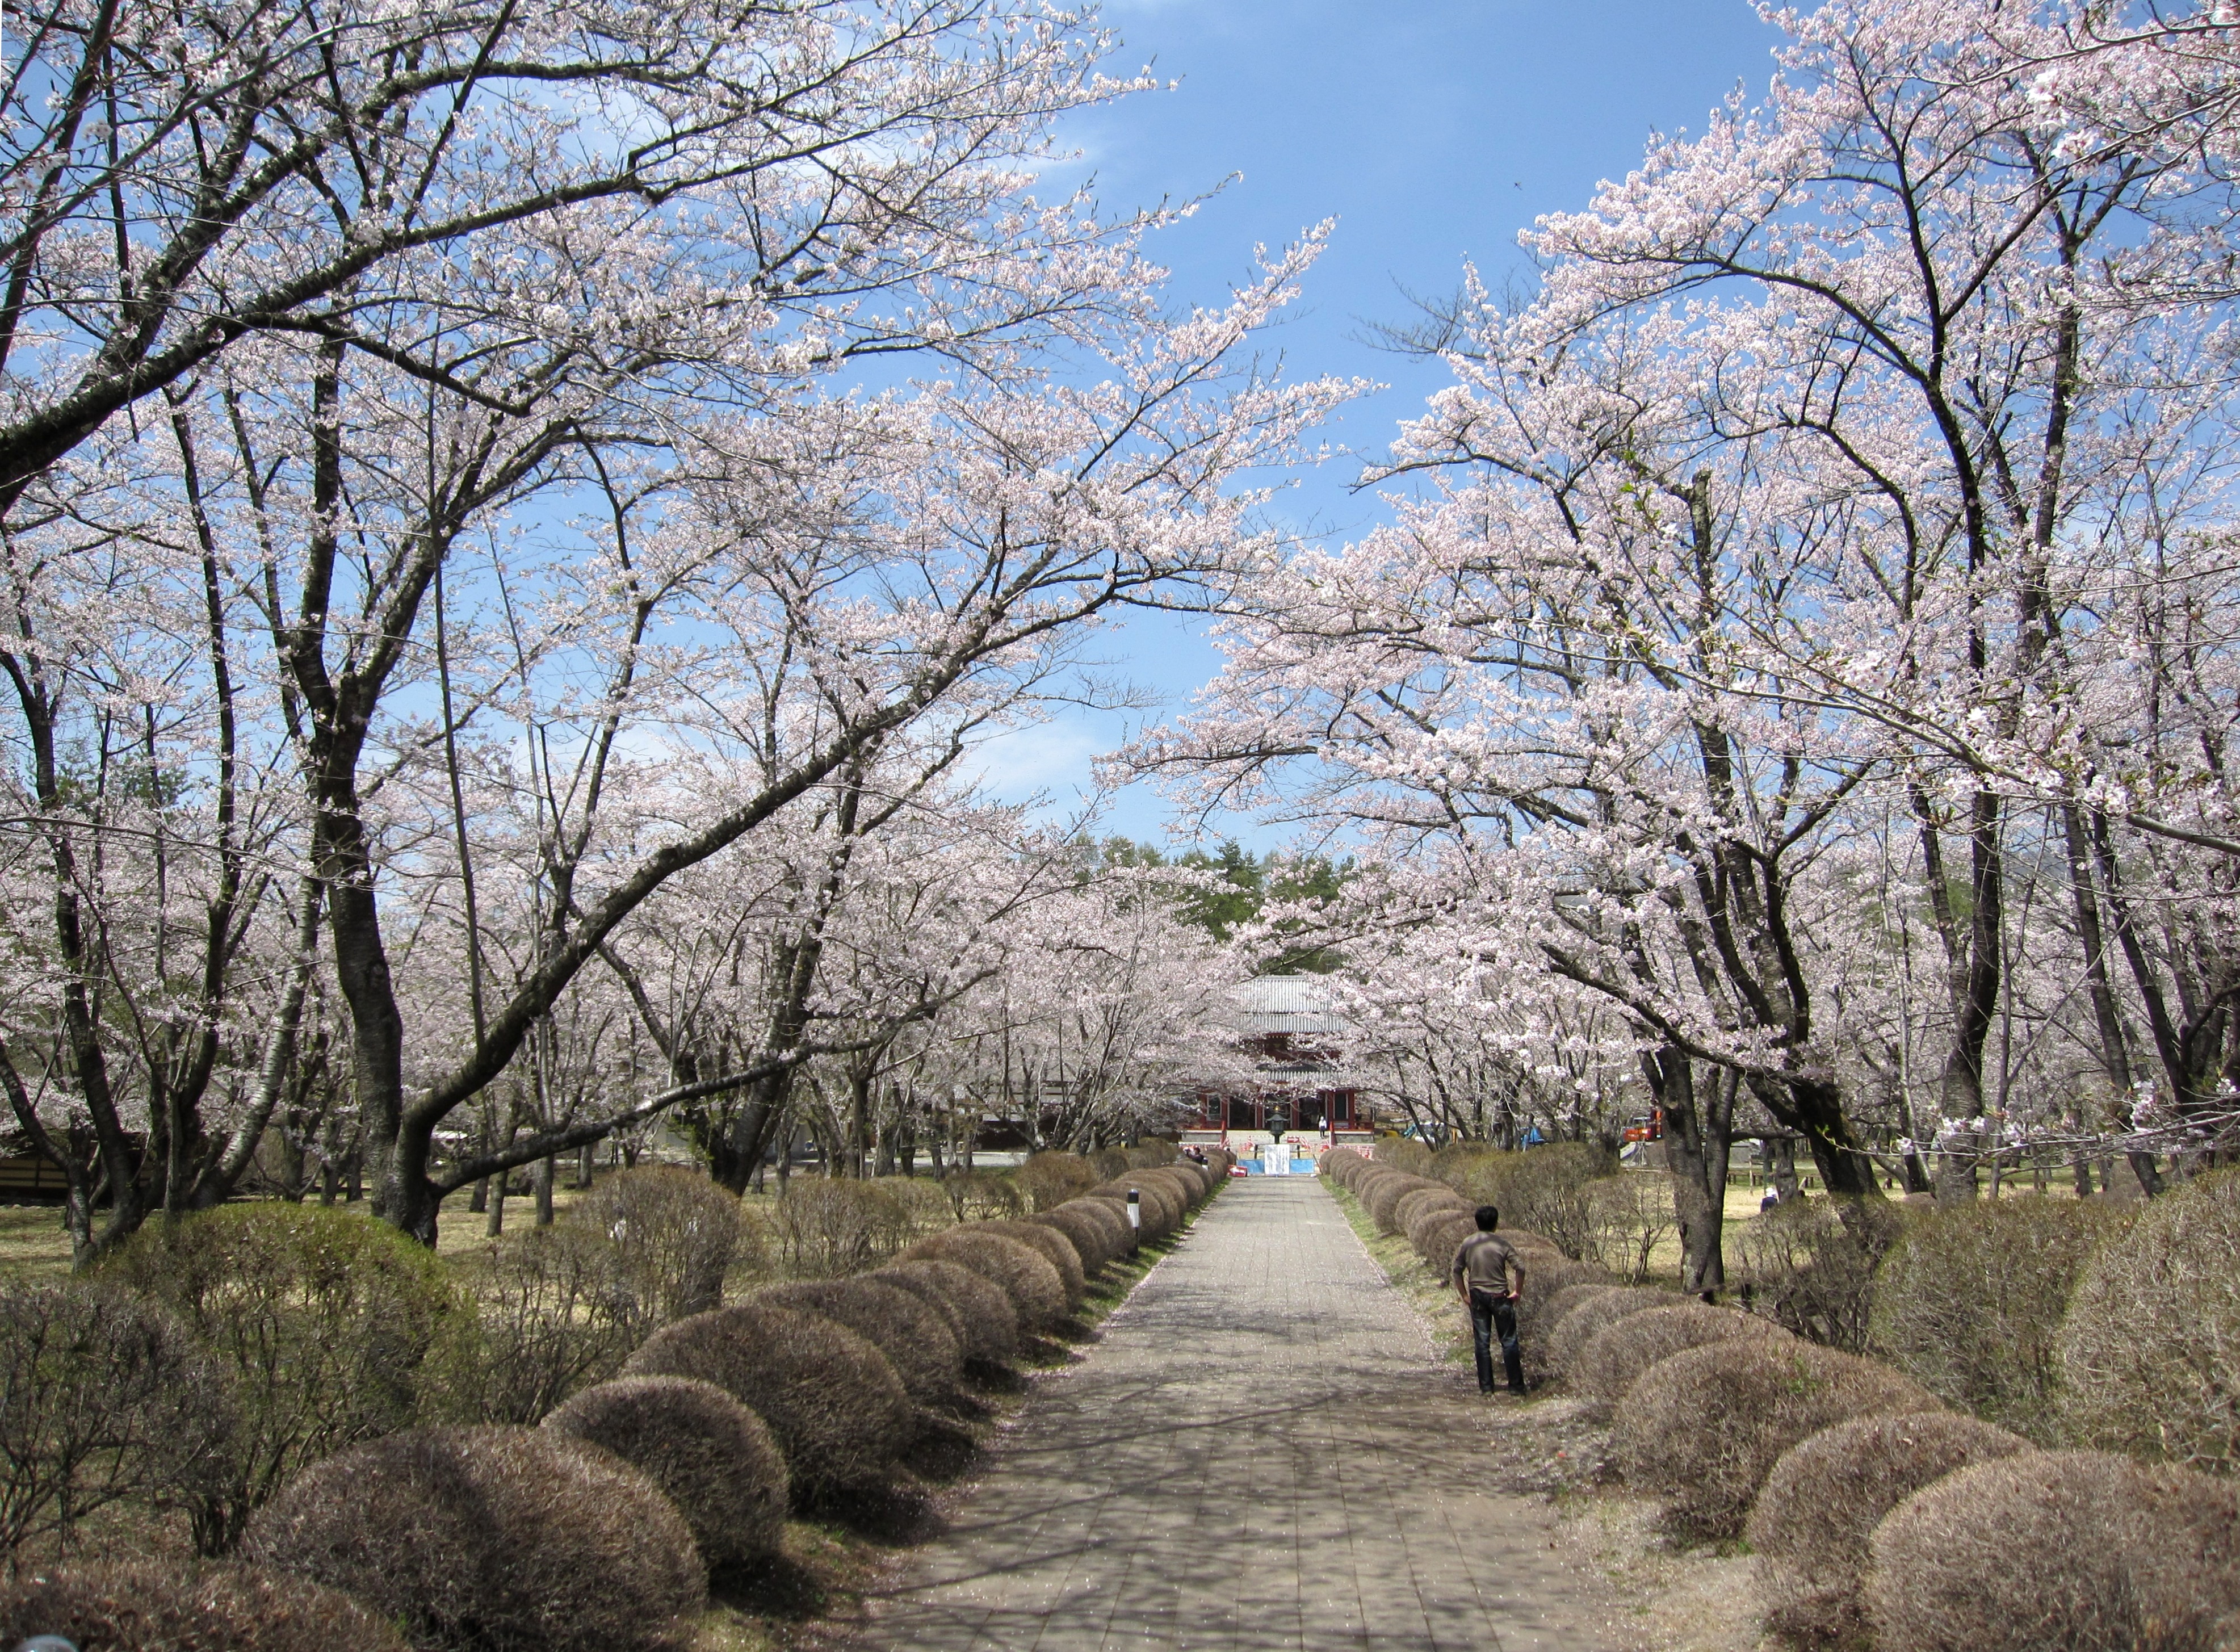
(1647, 1127)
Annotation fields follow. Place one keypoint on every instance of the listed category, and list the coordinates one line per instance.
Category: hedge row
(1879, 1516)
(603, 1527)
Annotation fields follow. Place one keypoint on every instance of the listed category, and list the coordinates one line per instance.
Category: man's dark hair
(1489, 1218)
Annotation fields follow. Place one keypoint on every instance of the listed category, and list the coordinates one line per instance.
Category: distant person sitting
(1772, 1198)
(1488, 1277)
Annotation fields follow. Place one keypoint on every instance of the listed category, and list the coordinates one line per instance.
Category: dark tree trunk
(1697, 1139)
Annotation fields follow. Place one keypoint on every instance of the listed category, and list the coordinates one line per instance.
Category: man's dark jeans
(1492, 1316)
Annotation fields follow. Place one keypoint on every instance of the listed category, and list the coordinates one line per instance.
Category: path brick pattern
(1263, 1452)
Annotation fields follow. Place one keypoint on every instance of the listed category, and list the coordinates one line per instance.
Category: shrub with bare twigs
(1704, 1428)
(2084, 1551)
(479, 1537)
(826, 1227)
(2151, 1348)
(1969, 1302)
(710, 1456)
(1812, 1522)
(1809, 1265)
(832, 1401)
(143, 1606)
(105, 1398)
(1048, 1180)
(675, 1233)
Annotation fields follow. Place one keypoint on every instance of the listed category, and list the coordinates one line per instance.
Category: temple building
(1299, 1094)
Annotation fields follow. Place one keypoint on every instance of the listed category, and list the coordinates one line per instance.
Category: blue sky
(1433, 131)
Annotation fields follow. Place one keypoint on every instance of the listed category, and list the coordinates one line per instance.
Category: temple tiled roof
(1296, 1004)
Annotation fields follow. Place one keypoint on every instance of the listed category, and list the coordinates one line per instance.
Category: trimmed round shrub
(143, 1606)
(1968, 1302)
(1340, 1162)
(1546, 1274)
(1704, 1428)
(1157, 1209)
(1612, 1360)
(710, 1456)
(1444, 1236)
(1026, 1278)
(1414, 1204)
(986, 1325)
(1048, 1180)
(1119, 1237)
(1439, 1235)
(1187, 1190)
(1172, 1207)
(480, 1537)
(1812, 1520)
(2150, 1348)
(1580, 1311)
(1085, 1224)
(675, 1235)
(2084, 1551)
(915, 1338)
(332, 1327)
(830, 1398)
(1057, 1250)
(105, 1398)
(1184, 1177)
(1108, 1162)
(1384, 1197)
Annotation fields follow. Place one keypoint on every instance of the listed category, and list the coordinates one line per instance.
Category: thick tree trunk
(1698, 1140)
(1780, 1153)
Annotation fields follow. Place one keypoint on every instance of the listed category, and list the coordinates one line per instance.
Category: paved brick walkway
(1260, 1453)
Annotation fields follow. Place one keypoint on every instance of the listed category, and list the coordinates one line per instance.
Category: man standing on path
(1489, 1278)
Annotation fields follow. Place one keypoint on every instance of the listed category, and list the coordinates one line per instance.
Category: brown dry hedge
(2151, 1348)
(710, 1456)
(479, 1537)
(145, 1606)
(2079, 1550)
(1969, 1302)
(1089, 1225)
(1614, 1357)
(1169, 1188)
(1546, 1274)
(1384, 1197)
(1819, 1508)
(1437, 1236)
(1025, 1276)
(981, 1315)
(1704, 1428)
(1416, 1203)
(1057, 1250)
(830, 1398)
(916, 1339)
(1580, 1312)
(1160, 1217)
